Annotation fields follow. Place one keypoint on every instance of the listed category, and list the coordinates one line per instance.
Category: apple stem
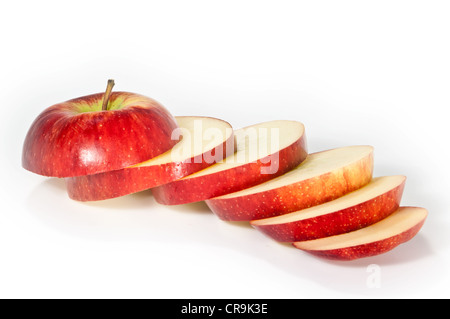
(108, 91)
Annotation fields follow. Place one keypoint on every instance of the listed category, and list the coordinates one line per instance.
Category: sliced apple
(381, 237)
(322, 177)
(264, 151)
(97, 133)
(204, 141)
(358, 209)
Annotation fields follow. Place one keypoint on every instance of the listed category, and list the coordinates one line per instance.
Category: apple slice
(204, 141)
(264, 151)
(381, 237)
(322, 177)
(358, 209)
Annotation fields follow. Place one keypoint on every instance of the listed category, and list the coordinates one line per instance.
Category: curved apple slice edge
(381, 237)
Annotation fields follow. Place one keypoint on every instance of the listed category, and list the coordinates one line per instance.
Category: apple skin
(342, 221)
(369, 249)
(290, 198)
(231, 180)
(136, 178)
(77, 138)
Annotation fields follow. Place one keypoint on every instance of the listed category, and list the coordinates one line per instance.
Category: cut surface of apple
(358, 209)
(263, 151)
(204, 141)
(322, 177)
(381, 237)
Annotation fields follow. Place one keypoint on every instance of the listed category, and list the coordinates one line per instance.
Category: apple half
(379, 238)
(204, 141)
(358, 209)
(263, 152)
(97, 133)
(322, 177)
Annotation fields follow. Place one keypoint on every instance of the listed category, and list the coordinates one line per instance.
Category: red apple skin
(339, 222)
(300, 195)
(191, 190)
(64, 142)
(136, 178)
(369, 249)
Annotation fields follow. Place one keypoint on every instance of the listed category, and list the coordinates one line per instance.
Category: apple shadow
(402, 267)
(118, 218)
(241, 224)
(57, 185)
(132, 217)
(139, 217)
(197, 207)
(349, 277)
(143, 199)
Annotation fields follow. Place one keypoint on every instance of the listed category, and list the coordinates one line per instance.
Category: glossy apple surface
(77, 137)
(264, 151)
(376, 239)
(322, 177)
(358, 209)
(213, 136)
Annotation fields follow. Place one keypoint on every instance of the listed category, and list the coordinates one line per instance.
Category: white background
(354, 72)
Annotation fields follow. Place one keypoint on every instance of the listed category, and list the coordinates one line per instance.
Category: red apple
(264, 151)
(97, 133)
(379, 238)
(358, 209)
(322, 177)
(204, 141)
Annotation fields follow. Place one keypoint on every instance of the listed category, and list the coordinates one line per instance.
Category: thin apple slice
(204, 141)
(264, 151)
(322, 177)
(379, 238)
(358, 209)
